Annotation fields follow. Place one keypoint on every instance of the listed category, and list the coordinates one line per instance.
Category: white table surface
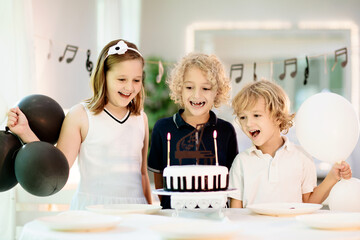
(249, 226)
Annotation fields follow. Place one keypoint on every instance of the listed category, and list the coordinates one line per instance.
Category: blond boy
(274, 169)
(197, 83)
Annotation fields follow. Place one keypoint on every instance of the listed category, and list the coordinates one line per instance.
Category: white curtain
(17, 63)
(118, 19)
(17, 67)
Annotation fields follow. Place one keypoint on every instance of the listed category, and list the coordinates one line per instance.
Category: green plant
(157, 102)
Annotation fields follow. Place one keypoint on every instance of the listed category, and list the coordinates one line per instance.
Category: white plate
(124, 208)
(332, 221)
(284, 209)
(79, 220)
(200, 229)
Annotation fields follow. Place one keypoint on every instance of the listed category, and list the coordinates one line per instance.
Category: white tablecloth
(249, 226)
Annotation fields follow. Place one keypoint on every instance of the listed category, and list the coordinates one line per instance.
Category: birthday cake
(196, 178)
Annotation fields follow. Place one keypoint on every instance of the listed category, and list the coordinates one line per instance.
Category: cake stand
(214, 200)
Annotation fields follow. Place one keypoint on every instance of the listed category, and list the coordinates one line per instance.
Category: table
(248, 226)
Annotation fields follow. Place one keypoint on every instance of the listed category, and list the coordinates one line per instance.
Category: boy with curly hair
(197, 84)
(274, 169)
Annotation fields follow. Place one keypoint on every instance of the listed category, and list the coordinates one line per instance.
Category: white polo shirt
(262, 179)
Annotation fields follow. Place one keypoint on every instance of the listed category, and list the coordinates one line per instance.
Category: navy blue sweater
(178, 128)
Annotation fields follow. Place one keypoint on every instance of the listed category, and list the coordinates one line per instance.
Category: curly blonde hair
(276, 101)
(213, 69)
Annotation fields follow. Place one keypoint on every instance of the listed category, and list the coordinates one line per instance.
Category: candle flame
(168, 136)
(215, 134)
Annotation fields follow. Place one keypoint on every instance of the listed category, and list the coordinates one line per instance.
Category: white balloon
(3, 109)
(327, 127)
(345, 196)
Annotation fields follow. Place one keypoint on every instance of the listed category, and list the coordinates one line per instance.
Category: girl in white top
(274, 169)
(108, 132)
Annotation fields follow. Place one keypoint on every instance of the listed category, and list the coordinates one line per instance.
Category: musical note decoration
(235, 67)
(186, 145)
(69, 48)
(89, 64)
(271, 70)
(161, 73)
(339, 52)
(306, 72)
(288, 62)
(255, 76)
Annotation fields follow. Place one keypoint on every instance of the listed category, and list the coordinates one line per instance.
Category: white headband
(120, 48)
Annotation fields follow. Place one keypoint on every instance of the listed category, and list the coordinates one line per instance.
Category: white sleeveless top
(110, 161)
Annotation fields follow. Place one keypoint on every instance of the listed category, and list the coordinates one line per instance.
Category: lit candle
(215, 144)
(168, 148)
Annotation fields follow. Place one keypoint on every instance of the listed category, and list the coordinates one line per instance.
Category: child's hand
(17, 121)
(341, 170)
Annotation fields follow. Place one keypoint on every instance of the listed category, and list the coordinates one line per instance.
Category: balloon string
(7, 130)
(16, 151)
(339, 162)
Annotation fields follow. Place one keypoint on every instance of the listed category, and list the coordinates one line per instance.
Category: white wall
(87, 24)
(164, 21)
(64, 22)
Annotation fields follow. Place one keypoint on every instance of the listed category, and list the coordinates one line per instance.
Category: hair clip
(120, 48)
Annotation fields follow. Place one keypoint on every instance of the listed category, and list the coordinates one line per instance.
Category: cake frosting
(196, 178)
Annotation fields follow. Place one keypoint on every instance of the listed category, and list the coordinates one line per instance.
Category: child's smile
(197, 104)
(124, 82)
(254, 133)
(257, 123)
(198, 94)
(125, 95)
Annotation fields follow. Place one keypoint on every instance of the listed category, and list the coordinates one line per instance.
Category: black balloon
(41, 169)
(9, 145)
(45, 116)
